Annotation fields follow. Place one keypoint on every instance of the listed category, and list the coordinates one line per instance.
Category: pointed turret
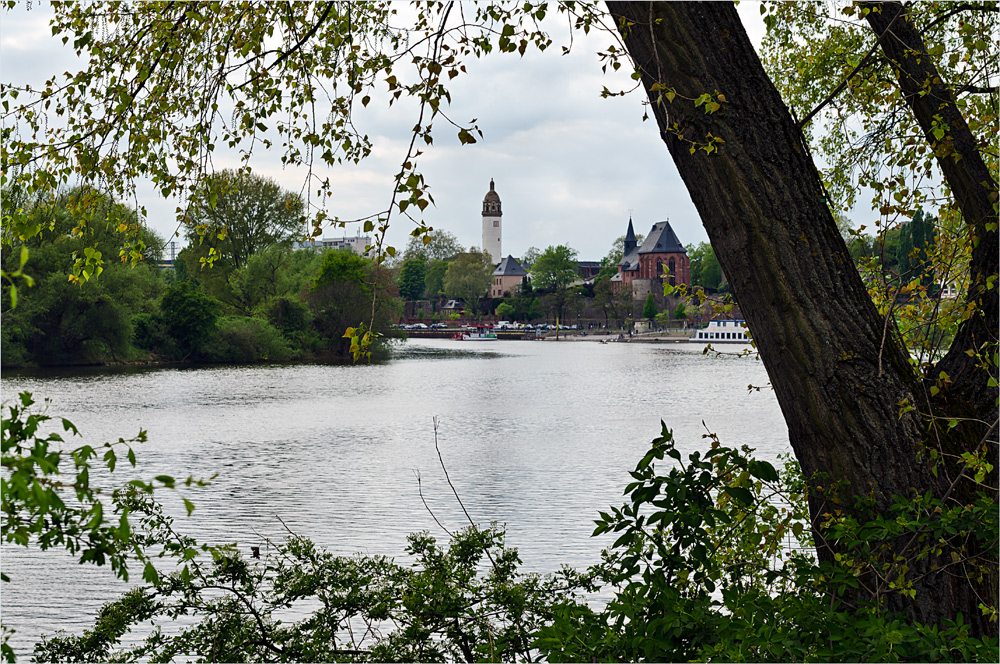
(629, 239)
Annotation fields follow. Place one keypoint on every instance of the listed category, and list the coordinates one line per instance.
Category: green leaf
(739, 493)
(762, 470)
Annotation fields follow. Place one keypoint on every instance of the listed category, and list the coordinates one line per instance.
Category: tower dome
(491, 202)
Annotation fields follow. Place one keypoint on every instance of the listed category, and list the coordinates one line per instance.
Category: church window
(672, 267)
(496, 224)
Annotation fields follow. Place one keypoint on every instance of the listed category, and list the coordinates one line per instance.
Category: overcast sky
(569, 166)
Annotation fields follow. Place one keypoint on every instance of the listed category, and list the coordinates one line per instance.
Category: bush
(714, 562)
(190, 316)
(241, 339)
(149, 332)
(289, 315)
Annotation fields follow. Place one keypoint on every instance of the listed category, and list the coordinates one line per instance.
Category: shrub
(289, 315)
(149, 331)
(241, 339)
(190, 316)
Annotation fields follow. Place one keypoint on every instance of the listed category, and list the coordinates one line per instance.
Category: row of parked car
(422, 326)
(502, 325)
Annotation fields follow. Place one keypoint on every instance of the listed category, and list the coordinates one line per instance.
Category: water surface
(535, 435)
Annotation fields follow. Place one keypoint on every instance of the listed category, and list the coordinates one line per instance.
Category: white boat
(723, 331)
(478, 333)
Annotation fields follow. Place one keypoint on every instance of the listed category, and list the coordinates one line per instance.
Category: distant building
(506, 277)
(356, 244)
(642, 267)
(588, 269)
(492, 217)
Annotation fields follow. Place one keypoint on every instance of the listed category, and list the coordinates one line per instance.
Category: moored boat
(478, 333)
(723, 331)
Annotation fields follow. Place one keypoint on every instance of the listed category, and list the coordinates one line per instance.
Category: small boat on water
(723, 331)
(477, 333)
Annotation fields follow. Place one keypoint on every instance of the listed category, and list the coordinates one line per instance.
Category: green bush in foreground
(713, 562)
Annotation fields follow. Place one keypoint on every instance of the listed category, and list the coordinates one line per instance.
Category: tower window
(496, 224)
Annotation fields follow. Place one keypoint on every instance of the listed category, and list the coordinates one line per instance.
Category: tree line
(238, 293)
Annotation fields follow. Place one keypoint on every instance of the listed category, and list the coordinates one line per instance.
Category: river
(535, 435)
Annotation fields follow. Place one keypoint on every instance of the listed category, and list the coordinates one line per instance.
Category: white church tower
(492, 224)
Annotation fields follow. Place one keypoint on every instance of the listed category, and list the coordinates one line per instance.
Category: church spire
(629, 238)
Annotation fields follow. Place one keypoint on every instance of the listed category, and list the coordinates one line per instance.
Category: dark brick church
(642, 267)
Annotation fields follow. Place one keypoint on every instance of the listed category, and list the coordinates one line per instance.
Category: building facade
(356, 244)
(508, 275)
(492, 225)
(642, 267)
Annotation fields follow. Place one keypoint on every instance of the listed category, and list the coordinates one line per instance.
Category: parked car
(419, 326)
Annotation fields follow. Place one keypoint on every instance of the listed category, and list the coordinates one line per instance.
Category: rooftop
(509, 267)
(662, 240)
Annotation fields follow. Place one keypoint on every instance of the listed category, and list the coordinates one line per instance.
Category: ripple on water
(536, 436)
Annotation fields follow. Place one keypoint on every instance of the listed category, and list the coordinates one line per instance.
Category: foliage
(49, 506)
(649, 308)
(713, 562)
(291, 316)
(162, 86)
(614, 303)
(70, 316)
(437, 246)
(240, 214)
(464, 602)
(434, 279)
(523, 305)
(411, 278)
(505, 311)
(556, 268)
(189, 315)
(239, 339)
(468, 278)
(149, 331)
(530, 257)
(34, 509)
(352, 293)
(876, 141)
(342, 265)
(705, 269)
(680, 312)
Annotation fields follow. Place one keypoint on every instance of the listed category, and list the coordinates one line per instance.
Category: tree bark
(838, 371)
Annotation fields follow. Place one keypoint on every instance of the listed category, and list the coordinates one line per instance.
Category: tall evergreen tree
(649, 308)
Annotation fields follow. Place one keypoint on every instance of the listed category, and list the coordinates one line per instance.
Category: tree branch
(843, 84)
(957, 9)
(284, 55)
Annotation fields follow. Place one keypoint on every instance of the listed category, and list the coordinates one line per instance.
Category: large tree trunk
(837, 370)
